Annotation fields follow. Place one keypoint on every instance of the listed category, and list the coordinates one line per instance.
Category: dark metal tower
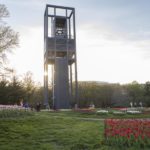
(60, 53)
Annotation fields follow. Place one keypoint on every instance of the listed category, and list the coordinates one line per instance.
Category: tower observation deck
(60, 53)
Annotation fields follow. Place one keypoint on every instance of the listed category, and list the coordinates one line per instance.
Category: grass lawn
(44, 132)
(53, 131)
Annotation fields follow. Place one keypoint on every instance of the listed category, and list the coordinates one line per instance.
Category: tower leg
(76, 84)
(53, 97)
(46, 84)
(71, 82)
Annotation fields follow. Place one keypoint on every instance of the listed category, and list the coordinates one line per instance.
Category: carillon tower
(60, 53)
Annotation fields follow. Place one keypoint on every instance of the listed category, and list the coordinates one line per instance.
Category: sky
(113, 38)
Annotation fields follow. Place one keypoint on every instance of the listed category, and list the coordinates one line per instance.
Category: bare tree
(8, 38)
(3, 11)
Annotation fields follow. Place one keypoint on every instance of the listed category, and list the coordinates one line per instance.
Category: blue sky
(113, 38)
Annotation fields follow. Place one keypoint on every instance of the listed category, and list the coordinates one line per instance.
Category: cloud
(112, 38)
(106, 55)
(29, 55)
(100, 35)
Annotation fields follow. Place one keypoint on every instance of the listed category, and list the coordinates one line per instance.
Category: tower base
(61, 84)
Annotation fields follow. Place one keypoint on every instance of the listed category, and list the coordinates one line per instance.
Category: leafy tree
(95, 93)
(8, 38)
(29, 87)
(147, 93)
(135, 92)
(3, 91)
(147, 88)
(11, 91)
(15, 91)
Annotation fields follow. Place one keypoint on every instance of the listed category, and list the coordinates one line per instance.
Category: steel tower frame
(55, 50)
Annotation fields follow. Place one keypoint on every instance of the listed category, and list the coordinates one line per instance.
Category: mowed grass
(55, 131)
(45, 132)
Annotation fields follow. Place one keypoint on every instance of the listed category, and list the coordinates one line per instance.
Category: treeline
(100, 94)
(114, 95)
(15, 91)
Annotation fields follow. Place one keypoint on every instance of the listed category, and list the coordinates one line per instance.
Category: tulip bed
(127, 132)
